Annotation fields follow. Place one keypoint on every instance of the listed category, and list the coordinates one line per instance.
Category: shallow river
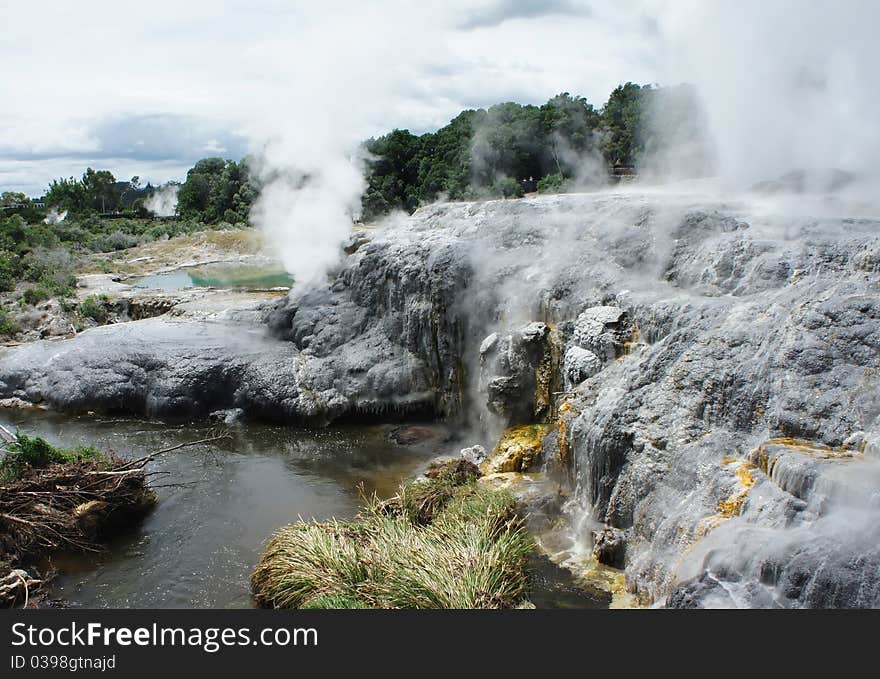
(222, 500)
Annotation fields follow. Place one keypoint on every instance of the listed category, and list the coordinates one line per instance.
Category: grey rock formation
(474, 454)
(579, 364)
(603, 331)
(716, 328)
(609, 547)
(517, 373)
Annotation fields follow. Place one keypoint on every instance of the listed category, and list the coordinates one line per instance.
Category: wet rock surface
(609, 547)
(516, 373)
(686, 333)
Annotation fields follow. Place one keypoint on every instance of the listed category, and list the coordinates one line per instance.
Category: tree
(98, 186)
(93, 193)
(195, 192)
(127, 193)
(624, 119)
(570, 126)
(393, 180)
(13, 199)
(216, 189)
(67, 194)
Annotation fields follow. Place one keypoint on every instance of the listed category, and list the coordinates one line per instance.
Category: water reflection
(218, 503)
(220, 275)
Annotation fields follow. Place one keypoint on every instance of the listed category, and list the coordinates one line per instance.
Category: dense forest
(509, 148)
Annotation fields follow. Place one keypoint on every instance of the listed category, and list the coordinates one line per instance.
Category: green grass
(93, 307)
(468, 551)
(36, 453)
(8, 326)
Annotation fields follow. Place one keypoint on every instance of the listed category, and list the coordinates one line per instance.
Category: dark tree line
(217, 190)
(96, 192)
(483, 153)
(489, 153)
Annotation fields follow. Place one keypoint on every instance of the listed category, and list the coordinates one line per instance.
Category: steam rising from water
(163, 203)
(344, 84)
(787, 85)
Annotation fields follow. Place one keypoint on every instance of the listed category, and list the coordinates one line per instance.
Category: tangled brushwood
(53, 500)
(444, 541)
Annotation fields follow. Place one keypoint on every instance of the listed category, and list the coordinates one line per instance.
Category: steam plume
(163, 203)
(343, 85)
(787, 85)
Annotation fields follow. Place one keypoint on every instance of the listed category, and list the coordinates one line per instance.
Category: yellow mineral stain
(733, 504)
(562, 434)
(595, 575)
(517, 450)
(628, 347)
(547, 376)
(765, 459)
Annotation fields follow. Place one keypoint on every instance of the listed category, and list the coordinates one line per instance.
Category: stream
(219, 502)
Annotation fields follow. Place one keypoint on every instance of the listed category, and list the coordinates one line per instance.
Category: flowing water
(219, 275)
(219, 502)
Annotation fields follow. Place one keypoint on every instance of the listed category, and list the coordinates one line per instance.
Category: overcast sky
(147, 89)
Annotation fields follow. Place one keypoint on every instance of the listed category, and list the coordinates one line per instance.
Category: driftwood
(15, 588)
(69, 507)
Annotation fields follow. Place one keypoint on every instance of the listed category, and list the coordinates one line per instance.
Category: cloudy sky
(147, 89)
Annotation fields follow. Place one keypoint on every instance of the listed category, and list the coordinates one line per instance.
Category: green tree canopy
(217, 190)
(624, 119)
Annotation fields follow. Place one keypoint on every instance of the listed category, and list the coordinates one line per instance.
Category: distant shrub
(8, 326)
(508, 188)
(554, 183)
(118, 240)
(94, 307)
(68, 232)
(36, 295)
(52, 269)
(8, 271)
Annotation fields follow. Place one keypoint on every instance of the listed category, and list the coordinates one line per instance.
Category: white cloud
(784, 80)
(239, 65)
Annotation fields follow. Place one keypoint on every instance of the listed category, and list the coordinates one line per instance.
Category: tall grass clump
(442, 542)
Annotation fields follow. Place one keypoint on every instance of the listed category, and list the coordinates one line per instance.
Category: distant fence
(23, 206)
(623, 173)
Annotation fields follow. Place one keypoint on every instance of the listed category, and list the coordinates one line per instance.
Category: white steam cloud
(787, 85)
(346, 79)
(55, 217)
(163, 203)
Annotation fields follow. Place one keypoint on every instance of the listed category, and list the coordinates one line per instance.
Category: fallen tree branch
(140, 462)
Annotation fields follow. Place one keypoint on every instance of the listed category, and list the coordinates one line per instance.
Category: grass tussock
(443, 542)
